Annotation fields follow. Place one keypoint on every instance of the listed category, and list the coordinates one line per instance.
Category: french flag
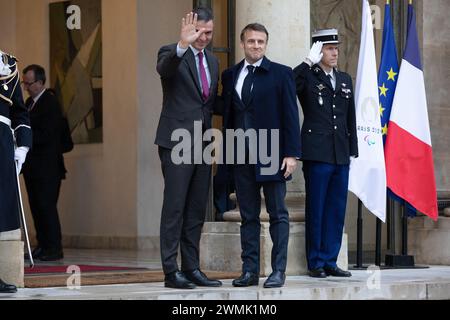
(408, 151)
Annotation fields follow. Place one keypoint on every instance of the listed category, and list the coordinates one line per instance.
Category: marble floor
(428, 284)
(419, 284)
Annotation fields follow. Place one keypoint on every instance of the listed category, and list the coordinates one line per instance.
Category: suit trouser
(248, 193)
(43, 197)
(183, 213)
(326, 201)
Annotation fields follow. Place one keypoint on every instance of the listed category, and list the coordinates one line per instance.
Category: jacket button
(335, 117)
(334, 106)
(335, 127)
(310, 131)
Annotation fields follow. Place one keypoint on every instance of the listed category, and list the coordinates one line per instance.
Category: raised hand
(189, 32)
(315, 55)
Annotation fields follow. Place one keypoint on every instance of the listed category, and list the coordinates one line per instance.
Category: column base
(12, 263)
(428, 240)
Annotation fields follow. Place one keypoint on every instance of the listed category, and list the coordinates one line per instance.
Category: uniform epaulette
(10, 56)
(13, 57)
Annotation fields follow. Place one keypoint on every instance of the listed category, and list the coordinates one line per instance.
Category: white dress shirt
(333, 78)
(243, 74)
(35, 99)
(180, 54)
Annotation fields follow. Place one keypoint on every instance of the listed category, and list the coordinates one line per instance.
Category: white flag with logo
(368, 171)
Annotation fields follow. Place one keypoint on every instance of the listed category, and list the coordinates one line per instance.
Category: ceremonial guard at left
(15, 141)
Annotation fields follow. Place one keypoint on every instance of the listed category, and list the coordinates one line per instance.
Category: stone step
(425, 284)
(220, 248)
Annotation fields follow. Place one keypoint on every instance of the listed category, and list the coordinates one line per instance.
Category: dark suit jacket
(273, 106)
(182, 102)
(329, 130)
(45, 159)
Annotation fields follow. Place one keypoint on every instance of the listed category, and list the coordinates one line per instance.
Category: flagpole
(404, 231)
(359, 252)
(378, 232)
(378, 244)
(405, 222)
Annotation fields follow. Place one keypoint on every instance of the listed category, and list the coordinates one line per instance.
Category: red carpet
(57, 276)
(83, 269)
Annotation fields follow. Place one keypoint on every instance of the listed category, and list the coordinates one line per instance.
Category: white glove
(315, 55)
(5, 69)
(20, 155)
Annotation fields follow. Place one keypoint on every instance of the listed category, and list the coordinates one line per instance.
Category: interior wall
(436, 50)
(8, 23)
(98, 200)
(153, 33)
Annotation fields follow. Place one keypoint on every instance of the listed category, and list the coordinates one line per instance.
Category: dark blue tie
(248, 84)
(330, 78)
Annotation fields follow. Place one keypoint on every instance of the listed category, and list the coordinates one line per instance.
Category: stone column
(288, 23)
(11, 246)
(12, 268)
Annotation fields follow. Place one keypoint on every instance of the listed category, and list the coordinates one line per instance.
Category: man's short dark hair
(254, 27)
(204, 14)
(39, 72)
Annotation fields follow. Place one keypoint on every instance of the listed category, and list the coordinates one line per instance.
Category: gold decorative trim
(6, 99)
(11, 75)
(17, 81)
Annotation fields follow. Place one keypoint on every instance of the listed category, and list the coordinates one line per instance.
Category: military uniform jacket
(183, 103)
(329, 129)
(14, 129)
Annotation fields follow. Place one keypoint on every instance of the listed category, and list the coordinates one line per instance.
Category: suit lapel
(34, 108)
(29, 103)
(339, 80)
(213, 71)
(236, 71)
(327, 80)
(320, 74)
(190, 60)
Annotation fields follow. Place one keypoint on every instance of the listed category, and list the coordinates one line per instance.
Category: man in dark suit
(329, 139)
(15, 142)
(260, 95)
(44, 169)
(189, 75)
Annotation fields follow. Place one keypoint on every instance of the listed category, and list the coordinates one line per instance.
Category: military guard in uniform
(329, 141)
(15, 141)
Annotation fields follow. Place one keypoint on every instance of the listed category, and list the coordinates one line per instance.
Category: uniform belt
(5, 121)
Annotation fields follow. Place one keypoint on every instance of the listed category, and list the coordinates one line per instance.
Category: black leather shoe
(247, 279)
(317, 273)
(177, 280)
(275, 280)
(7, 288)
(36, 253)
(51, 255)
(337, 272)
(200, 279)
